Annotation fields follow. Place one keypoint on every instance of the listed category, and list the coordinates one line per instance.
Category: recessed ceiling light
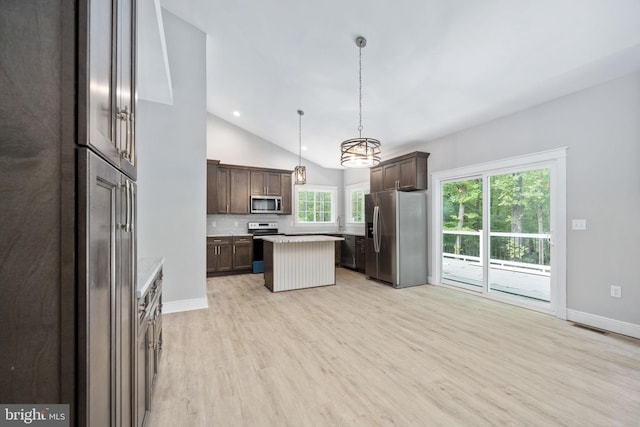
(304, 148)
(236, 113)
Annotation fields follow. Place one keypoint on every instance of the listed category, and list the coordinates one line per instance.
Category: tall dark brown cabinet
(67, 178)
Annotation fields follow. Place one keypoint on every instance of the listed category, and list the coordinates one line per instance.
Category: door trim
(556, 160)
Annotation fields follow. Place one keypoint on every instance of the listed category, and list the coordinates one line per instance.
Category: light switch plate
(578, 224)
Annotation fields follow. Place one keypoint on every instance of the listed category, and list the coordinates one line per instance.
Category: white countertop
(147, 270)
(230, 235)
(301, 239)
(307, 233)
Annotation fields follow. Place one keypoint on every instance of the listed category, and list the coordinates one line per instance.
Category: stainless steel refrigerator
(396, 244)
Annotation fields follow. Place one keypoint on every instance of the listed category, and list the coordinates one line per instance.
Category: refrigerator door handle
(376, 231)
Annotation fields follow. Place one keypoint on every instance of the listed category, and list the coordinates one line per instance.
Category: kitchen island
(298, 262)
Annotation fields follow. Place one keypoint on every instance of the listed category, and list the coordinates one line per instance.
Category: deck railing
(523, 267)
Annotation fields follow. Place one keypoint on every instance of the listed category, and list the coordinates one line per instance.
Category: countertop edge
(301, 239)
(147, 270)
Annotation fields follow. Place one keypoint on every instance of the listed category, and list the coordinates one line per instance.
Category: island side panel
(299, 265)
(267, 250)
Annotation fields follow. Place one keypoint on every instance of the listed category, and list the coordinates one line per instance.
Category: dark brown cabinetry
(106, 57)
(375, 180)
(68, 203)
(285, 192)
(229, 254)
(361, 254)
(219, 254)
(229, 187)
(265, 183)
(221, 196)
(212, 182)
(105, 291)
(239, 180)
(142, 400)
(242, 252)
(149, 346)
(404, 173)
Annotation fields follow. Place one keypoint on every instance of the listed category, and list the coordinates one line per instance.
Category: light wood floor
(364, 354)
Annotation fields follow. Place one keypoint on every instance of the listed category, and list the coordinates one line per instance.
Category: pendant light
(360, 152)
(300, 172)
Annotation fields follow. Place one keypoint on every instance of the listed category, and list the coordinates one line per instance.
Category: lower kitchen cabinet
(219, 254)
(229, 254)
(242, 252)
(148, 347)
(361, 254)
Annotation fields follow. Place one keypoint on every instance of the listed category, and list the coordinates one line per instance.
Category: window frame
(317, 188)
(348, 208)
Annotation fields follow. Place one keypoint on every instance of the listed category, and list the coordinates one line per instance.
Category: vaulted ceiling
(430, 68)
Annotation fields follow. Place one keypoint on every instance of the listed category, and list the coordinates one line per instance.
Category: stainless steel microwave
(266, 204)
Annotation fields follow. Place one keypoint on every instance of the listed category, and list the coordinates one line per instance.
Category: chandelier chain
(360, 81)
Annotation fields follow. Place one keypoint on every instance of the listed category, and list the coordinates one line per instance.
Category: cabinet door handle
(125, 188)
(130, 218)
(234, 249)
(123, 115)
(132, 139)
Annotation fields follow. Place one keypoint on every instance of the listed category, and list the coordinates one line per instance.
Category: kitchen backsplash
(222, 224)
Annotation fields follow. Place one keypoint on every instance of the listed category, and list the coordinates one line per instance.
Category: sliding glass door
(519, 235)
(462, 233)
(495, 233)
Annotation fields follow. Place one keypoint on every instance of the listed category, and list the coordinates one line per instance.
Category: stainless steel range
(259, 229)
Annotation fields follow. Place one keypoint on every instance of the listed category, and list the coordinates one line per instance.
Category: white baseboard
(184, 305)
(600, 322)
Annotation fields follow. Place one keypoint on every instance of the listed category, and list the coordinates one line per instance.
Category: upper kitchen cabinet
(239, 180)
(404, 173)
(265, 183)
(212, 182)
(107, 78)
(285, 191)
(230, 187)
(227, 189)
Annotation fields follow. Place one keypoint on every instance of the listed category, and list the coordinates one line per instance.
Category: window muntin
(315, 205)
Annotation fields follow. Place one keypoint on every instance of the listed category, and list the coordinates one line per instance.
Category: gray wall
(233, 145)
(600, 125)
(601, 128)
(172, 168)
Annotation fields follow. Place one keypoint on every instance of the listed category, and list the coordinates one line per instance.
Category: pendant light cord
(300, 113)
(300, 140)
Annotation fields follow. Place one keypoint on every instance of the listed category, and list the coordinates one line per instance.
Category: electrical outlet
(616, 291)
(578, 224)
(235, 223)
(213, 223)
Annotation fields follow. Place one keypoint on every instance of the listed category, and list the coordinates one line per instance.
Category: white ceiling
(431, 67)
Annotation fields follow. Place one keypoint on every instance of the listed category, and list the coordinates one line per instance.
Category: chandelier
(360, 152)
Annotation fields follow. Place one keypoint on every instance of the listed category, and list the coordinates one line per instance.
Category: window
(315, 204)
(354, 202)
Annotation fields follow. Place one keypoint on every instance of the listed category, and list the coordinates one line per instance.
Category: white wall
(601, 128)
(233, 145)
(172, 171)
